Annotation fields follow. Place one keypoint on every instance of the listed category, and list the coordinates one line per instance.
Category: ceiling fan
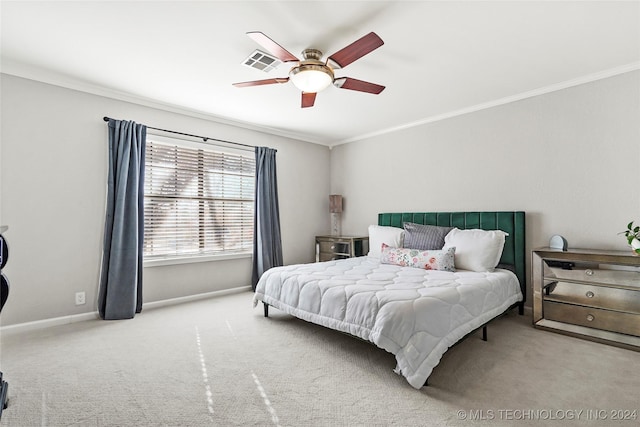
(311, 75)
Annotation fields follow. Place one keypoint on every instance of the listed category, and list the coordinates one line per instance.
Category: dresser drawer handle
(333, 247)
(590, 318)
(590, 294)
(588, 272)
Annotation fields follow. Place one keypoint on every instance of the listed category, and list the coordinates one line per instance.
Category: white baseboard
(47, 323)
(196, 297)
(74, 318)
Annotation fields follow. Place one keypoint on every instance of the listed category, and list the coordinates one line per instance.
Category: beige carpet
(219, 362)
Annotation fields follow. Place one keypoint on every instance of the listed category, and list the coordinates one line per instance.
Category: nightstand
(329, 248)
(592, 294)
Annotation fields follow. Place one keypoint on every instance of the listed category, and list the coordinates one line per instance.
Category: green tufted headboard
(513, 254)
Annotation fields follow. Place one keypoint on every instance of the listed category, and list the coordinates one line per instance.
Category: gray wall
(568, 158)
(52, 195)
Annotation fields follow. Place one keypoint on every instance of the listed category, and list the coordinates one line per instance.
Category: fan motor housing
(312, 54)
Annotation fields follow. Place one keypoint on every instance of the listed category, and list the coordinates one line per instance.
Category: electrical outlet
(80, 298)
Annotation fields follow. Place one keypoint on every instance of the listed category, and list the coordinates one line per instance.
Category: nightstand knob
(590, 317)
(588, 272)
(590, 294)
(333, 247)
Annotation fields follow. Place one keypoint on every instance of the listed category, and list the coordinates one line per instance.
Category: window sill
(189, 260)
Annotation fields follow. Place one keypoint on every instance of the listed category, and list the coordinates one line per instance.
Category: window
(197, 201)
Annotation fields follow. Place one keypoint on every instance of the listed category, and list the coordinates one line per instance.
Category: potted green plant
(633, 237)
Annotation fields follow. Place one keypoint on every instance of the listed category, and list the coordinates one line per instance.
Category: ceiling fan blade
(272, 47)
(356, 50)
(359, 85)
(308, 99)
(262, 82)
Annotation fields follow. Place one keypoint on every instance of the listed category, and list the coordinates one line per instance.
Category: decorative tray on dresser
(592, 294)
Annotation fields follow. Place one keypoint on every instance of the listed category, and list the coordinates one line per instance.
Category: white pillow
(476, 250)
(379, 234)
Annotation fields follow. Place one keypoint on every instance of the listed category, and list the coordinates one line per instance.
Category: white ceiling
(440, 58)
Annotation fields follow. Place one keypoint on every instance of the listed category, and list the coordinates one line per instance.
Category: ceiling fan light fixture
(312, 75)
(311, 78)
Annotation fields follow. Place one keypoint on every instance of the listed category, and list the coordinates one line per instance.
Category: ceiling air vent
(262, 61)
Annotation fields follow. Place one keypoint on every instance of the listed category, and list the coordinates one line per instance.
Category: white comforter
(414, 314)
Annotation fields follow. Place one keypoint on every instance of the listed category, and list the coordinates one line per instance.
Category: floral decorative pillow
(429, 259)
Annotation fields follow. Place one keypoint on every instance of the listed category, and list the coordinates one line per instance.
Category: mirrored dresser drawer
(588, 293)
(607, 320)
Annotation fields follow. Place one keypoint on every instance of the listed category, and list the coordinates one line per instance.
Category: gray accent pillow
(424, 237)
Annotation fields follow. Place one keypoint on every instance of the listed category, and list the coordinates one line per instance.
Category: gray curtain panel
(120, 294)
(267, 244)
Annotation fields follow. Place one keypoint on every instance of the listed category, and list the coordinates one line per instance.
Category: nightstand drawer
(596, 275)
(625, 323)
(595, 296)
(335, 247)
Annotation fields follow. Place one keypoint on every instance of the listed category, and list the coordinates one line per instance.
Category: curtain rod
(204, 138)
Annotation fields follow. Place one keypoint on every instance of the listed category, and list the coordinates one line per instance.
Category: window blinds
(197, 201)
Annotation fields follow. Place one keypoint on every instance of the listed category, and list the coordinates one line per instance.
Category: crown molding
(41, 75)
(46, 76)
(502, 101)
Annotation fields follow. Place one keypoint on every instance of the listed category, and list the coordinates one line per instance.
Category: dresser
(329, 248)
(592, 294)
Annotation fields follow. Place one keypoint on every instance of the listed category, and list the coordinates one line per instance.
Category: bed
(411, 310)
